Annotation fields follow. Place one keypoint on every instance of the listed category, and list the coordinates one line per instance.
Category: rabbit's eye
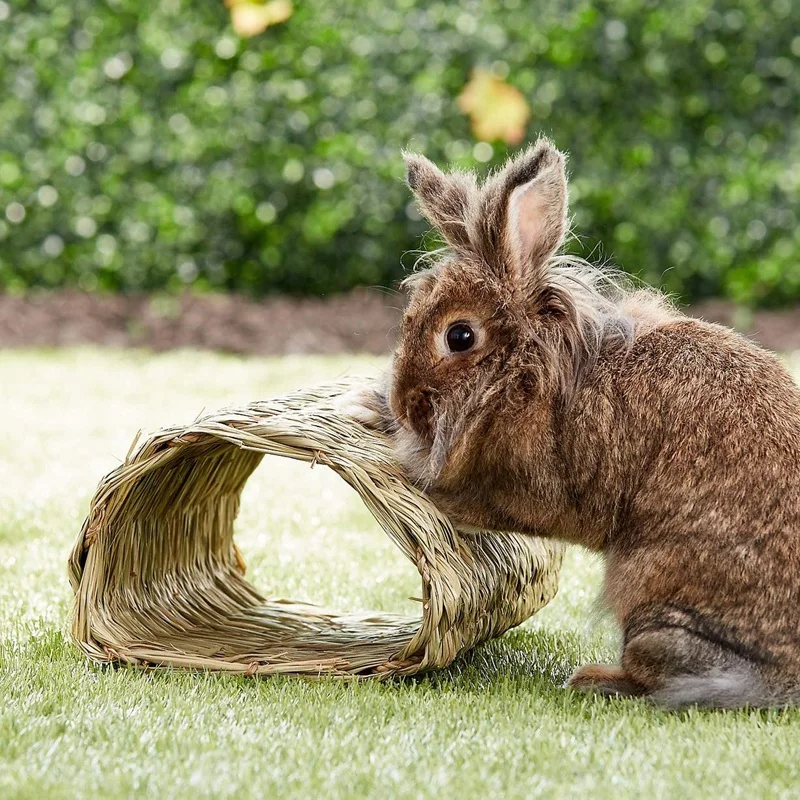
(460, 337)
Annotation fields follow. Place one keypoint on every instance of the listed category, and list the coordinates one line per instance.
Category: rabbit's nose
(419, 409)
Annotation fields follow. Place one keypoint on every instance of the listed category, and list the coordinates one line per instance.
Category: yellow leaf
(250, 19)
(496, 109)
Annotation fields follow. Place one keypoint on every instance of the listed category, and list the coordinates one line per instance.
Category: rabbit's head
(486, 322)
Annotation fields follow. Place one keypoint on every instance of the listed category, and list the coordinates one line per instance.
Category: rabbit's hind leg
(678, 658)
(685, 658)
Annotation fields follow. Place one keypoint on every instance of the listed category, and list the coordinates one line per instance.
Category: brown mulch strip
(362, 321)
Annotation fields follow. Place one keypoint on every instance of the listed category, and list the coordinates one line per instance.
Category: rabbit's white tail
(740, 688)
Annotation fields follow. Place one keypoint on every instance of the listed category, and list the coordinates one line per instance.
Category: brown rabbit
(531, 393)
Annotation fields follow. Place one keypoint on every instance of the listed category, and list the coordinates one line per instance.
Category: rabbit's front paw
(367, 405)
(605, 680)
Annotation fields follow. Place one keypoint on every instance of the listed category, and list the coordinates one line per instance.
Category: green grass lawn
(496, 724)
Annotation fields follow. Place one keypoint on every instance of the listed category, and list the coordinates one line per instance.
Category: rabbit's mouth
(425, 438)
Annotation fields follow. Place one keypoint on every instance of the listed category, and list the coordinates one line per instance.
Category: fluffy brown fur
(601, 416)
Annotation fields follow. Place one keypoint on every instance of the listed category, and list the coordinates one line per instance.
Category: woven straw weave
(158, 579)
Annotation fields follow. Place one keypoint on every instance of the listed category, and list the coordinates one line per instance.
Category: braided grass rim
(158, 579)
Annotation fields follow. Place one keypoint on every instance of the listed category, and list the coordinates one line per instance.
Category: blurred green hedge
(146, 146)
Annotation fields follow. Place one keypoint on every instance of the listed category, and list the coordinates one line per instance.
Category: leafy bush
(147, 146)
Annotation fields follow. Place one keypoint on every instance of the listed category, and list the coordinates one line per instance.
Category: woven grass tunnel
(159, 581)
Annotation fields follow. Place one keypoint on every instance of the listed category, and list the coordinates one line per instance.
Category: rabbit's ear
(532, 211)
(444, 200)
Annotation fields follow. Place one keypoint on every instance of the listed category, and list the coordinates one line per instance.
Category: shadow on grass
(520, 656)
(523, 663)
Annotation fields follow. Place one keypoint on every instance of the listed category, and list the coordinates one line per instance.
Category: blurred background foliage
(147, 146)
